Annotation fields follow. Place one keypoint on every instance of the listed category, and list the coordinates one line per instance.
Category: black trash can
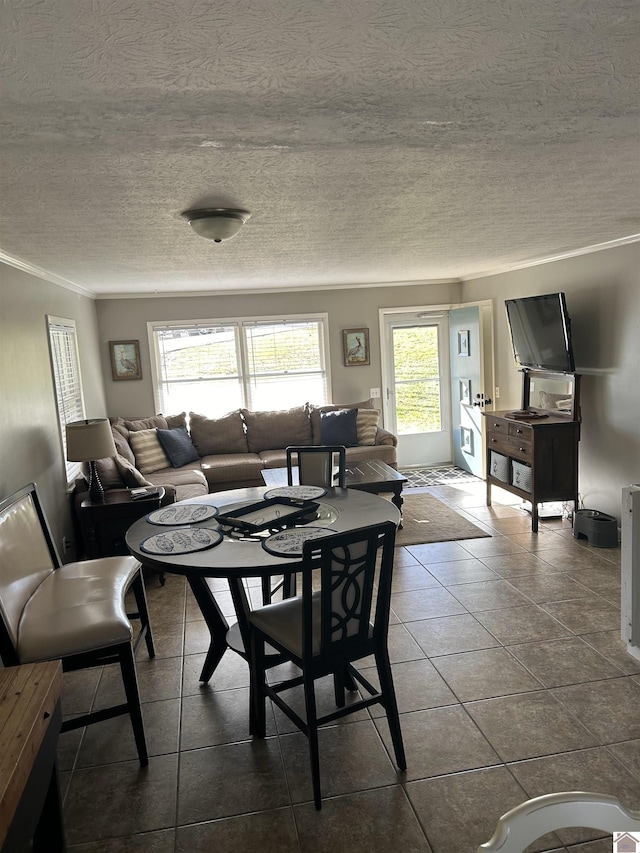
(600, 529)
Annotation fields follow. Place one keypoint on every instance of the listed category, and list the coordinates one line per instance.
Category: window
(213, 368)
(65, 363)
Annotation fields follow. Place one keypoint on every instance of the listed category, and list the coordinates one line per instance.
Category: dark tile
(162, 841)
(434, 602)
(461, 571)
(490, 547)
(583, 615)
(232, 671)
(373, 821)
(417, 685)
(325, 704)
(437, 552)
(548, 587)
(402, 647)
(610, 646)
(112, 740)
(119, 800)
(79, 690)
(214, 717)
(520, 624)
(484, 674)
(517, 565)
(583, 770)
(460, 811)
(351, 758)
(221, 781)
(451, 634)
(158, 678)
(412, 577)
(251, 833)
(565, 661)
(607, 708)
(488, 595)
(528, 725)
(628, 753)
(439, 741)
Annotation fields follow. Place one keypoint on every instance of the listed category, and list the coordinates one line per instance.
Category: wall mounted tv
(541, 332)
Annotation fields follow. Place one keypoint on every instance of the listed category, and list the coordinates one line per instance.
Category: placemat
(182, 514)
(302, 493)
(288, 543)
(184, 541)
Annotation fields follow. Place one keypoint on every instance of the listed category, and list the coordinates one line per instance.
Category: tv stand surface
(536, 459)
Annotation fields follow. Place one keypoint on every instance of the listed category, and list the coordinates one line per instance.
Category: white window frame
(239, 323)
(67, 383)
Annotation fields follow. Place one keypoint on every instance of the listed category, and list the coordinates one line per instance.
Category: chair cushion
(78, 607)
(283, 623)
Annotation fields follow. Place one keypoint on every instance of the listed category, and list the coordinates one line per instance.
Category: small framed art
(465, 391)
(125, 360)
(463, 342)
(466, 439)
(355, 346)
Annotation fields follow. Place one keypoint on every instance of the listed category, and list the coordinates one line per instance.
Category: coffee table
(367, 476)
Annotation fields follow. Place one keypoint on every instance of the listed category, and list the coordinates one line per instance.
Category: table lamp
(87, 441)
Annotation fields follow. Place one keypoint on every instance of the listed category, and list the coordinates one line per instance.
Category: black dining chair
(73, 612)
(316, 464)
(326, 632)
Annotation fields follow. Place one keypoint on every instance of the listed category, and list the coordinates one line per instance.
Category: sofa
(194, 455)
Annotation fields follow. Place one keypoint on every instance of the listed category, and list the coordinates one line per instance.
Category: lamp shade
(89, 440)
(216, 223)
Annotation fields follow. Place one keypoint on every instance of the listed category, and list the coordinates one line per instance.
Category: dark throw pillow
(339, 427)
(178, 446)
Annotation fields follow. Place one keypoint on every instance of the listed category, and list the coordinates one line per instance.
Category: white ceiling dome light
(216, 223)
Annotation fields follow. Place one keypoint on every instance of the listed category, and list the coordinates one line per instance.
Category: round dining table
(238, 556)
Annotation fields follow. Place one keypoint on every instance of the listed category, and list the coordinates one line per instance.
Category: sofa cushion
(274, 430)
(232, 467)
(188, 475)
(178, 446)
(219, 435)
(175, 421)
(339, 427)
(148, 451)
(131, 477)
(138, 424)
(316, 411)
(365, 453)
(109, 473)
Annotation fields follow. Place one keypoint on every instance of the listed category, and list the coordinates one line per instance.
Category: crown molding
(52, 278)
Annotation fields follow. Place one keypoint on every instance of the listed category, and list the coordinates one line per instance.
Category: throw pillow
(175, 421)
(137, 424)
(316, 411)
(178, 446)
(148, 451)
(130, 474)
(367, 426)
(220, 435)
(339, 427)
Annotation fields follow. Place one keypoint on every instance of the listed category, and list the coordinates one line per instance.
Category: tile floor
(511, 679)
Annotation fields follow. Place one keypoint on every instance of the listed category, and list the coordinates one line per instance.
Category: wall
(30, 448)
(126, 319)
(603, 300)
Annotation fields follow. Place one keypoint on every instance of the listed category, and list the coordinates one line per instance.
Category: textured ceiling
(372, 141)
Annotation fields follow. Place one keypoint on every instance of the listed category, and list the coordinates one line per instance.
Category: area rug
(427, 519)
(438, 476)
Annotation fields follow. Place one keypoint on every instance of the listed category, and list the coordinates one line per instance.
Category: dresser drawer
(517, 447)
(520, 431)
(494, 425)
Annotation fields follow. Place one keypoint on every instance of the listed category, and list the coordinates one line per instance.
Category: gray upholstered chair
(316, 464)
(521, 826)
(74, 612)
(325, 632)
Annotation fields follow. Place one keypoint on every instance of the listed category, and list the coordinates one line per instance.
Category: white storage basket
(521, 476)
(499, 467)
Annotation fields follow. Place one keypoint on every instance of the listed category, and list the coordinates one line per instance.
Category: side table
(104, 525)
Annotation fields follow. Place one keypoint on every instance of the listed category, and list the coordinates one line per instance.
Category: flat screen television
(541, 332)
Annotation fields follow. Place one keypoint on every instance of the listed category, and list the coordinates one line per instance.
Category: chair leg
(391, 706)
(257, 697)
(143, 611)
(312, 735)
(130, 681)
(338, 687)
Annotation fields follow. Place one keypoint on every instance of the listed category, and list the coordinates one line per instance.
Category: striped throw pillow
(148, 451)
(367, 425)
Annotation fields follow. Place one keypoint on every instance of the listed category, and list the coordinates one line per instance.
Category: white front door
(467, 388)
(417, 403)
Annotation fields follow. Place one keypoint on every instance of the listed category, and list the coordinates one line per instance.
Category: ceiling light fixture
(216, 223)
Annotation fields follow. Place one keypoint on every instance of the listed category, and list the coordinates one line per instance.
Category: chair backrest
(521, 826)
(315, 464)
(27, 555)
(348, 578)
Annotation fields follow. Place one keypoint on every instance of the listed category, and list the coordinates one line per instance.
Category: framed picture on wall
(355, 345)
(466, 439)
(463, 342)
(465, 391)
(125, 360)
